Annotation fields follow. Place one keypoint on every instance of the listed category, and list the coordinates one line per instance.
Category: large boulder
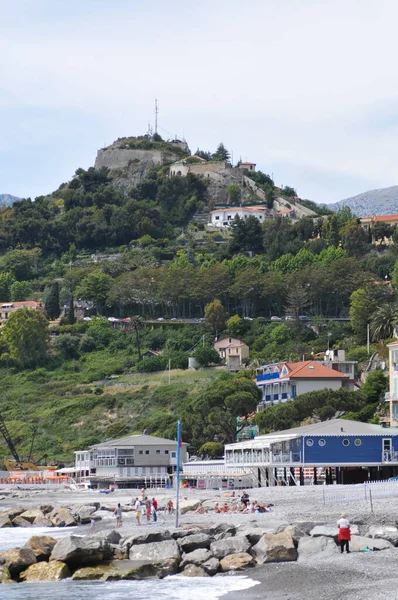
(237, 562)
(62, 517)
(166, 554)
(147, 537)
(41, 546)
(358, 543)
(17, 559)
(5, 576)
(308, 546)
(42, 522)
(109, 537)
(131, 569)
(46, 508)
(77, 551)
(43, 571)
(277, 547)
(193, 542)
(197, 557)
(21, 522)
(211, 565)
(84, 514)
(385, 532)
(11, 513)
(95, 573)
(230, 545)
(5, 522)
(331, 531)
(32, 514)
(194, 571)
(296, 532)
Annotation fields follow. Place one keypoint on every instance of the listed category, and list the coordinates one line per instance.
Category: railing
(389, 457)
(288, 457)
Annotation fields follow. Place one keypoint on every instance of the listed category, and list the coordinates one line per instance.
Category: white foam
(15, 537)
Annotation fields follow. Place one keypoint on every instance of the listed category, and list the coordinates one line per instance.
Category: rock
(84, 514)
(46, 508)
(230, 545)
(222, 528)
(78, 551)
(194, 571)
(110, 537)
(331, 531)
(306, 526)
(237, 562)
(119, 552)
(385, 532)
(11, 513)
(147, 537)
(127, 569)
(197, 557)
(5, 576)
(254, 533)
(179, 533)
(41, 546)
(17, 559)
(5, 522)
(166, 554)
(358, 543)
(315, 545)
(31, 515)
(43, 571)
(211, 566)
(93, 573)
(188, 505)
(277, 547)
(42, 522)
(21, 522)
(62, 517)
(296, 533)
(193, 542)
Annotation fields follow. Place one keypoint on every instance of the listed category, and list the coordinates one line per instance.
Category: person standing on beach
(344, 533)
(137, 507)
(118, 515)
(148, 508)
(154, 509)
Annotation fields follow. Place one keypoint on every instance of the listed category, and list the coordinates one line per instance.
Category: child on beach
(118, 515)
(344, 533)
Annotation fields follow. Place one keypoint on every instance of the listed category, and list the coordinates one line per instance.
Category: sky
(306, 89)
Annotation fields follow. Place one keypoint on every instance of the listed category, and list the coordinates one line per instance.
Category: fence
(363, 492)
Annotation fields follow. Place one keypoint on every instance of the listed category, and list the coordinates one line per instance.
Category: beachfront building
(232, 351)
(131, 458)
(212, 474)
(392, 395)
(284, 381)
(342, 451)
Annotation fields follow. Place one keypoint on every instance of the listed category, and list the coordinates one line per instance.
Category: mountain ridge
(382, 201)
(7, 199)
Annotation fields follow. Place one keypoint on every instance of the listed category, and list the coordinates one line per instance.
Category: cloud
(304, 88)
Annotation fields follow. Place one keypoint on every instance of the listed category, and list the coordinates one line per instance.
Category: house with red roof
(284, 381)
(246, 166)
(7, 308)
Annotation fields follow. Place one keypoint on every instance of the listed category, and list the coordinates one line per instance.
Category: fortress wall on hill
(118, 158)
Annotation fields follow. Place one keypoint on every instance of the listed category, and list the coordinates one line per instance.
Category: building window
(146, 451)
(322, 442)
(217, 218)
(173, 455)
(157, 451)
(166, 451)
(310, 442)
(358, 442)
(140, 452)
(346, 442)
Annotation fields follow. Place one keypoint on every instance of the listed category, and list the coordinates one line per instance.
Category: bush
(67, 345)
(87, 344)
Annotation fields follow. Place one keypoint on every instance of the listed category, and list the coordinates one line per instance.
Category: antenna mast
(156, 115)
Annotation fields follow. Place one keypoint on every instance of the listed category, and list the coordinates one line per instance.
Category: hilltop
(7, 199)
(374, 202)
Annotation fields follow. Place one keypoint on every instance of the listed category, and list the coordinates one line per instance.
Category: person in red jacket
(344, 533)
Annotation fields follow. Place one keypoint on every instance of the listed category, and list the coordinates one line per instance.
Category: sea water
(171, 588)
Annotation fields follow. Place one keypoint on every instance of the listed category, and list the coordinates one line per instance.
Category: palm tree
(384, 321)
(137, 324)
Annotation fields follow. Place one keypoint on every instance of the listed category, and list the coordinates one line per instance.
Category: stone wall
(117, 158)
(183, 168)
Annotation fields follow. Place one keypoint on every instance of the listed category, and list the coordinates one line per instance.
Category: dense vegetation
(139, 255)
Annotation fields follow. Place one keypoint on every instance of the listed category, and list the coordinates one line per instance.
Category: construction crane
(17, 464)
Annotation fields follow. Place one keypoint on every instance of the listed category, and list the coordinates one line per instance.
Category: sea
(171, 588)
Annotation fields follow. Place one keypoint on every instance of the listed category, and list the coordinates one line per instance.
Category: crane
(17, 464)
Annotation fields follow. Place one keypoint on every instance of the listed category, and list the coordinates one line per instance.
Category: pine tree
(71, 311)
(52, 302)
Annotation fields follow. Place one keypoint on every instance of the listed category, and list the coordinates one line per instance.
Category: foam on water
(171, 588)
(14, 537)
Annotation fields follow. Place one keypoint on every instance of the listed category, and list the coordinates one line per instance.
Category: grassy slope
(74, 406)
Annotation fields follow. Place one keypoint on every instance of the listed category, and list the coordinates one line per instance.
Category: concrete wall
(312, 385)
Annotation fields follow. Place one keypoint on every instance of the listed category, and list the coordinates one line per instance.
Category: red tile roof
(310, 369)
(247, 163)
(27, 303)
(382, 218)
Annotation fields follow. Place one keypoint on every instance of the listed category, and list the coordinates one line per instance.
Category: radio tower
(156, 115)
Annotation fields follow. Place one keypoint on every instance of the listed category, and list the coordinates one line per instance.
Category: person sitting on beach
(201, 509)
(229, 495)
(245, 498)
(217, 508)
(225, 508)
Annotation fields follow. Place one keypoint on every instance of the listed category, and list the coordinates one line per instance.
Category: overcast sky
(307, 89)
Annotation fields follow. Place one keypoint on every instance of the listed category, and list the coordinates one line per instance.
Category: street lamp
(329, 336)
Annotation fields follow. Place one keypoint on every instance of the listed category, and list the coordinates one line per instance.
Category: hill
(7, 199)
(374, 202)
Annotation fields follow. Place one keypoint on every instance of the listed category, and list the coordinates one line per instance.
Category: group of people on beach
(143, 507)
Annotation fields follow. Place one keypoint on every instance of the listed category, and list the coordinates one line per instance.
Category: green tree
(25, 335)
(354, 239)
(52, 302)
(95, 288)
(234, 193)
(67, 345)
(215, 316)
(375, 386)
(20, 290)
(211, 450)
(70, 317)
(289, 191)
(330, 231)
(137, 325)
(6, 281)
(221, 153)
(364, 302)
(236, 326)
(269, 197)
(383, 322)
(23, 264)
(206, 355)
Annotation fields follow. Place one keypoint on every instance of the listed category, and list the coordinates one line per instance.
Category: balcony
(287, 457)
(390, 457)
(266, 377)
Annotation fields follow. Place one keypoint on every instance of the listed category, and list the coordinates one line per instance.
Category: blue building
(336, 450)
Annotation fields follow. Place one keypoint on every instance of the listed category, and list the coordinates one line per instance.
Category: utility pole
(368, 338)
(169, 369)
(203, 341)
(156, 115)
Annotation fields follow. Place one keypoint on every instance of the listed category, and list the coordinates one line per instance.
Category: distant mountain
(374, 202)
(7, 199)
